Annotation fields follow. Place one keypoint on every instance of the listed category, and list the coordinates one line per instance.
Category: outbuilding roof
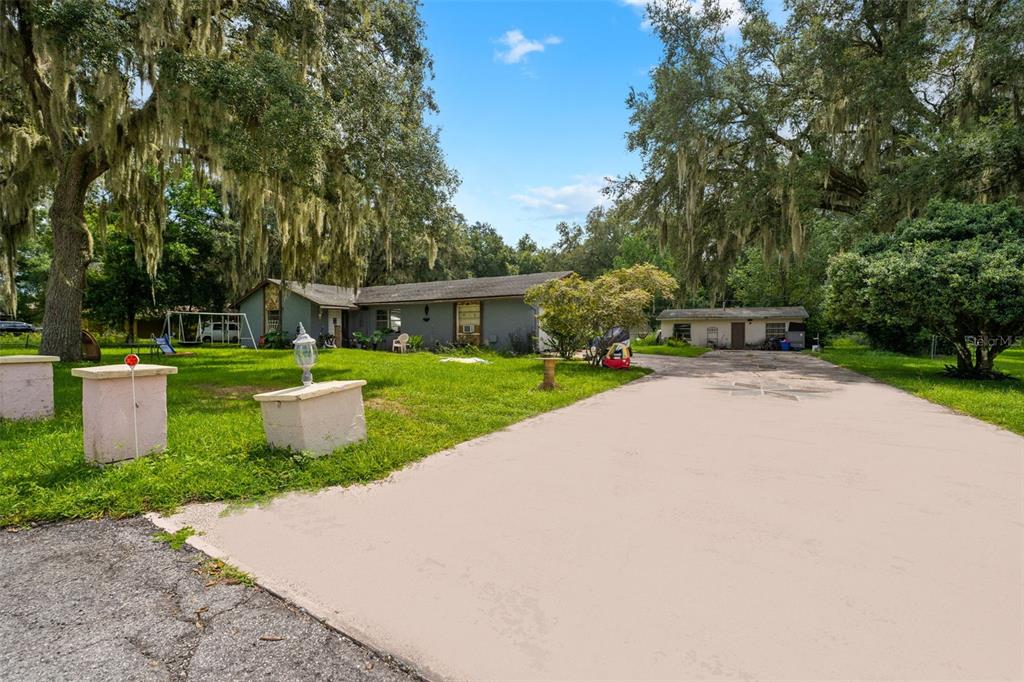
(733, 313)
(456, 289)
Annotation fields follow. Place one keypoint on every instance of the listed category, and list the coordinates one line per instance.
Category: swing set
(199, 328)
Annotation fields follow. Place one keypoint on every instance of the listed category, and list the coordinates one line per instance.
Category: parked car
(15, 327)
(221, 332)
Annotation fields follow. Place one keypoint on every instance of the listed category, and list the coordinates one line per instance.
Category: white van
(222, 332)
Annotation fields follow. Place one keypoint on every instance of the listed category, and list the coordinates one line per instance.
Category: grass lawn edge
(998, 403)
(416, 407)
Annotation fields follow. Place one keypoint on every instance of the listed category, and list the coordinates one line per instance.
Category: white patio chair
(400, 344)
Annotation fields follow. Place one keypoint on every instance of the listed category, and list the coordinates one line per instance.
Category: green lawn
(998, 402)
(416, 405)
(665, 349)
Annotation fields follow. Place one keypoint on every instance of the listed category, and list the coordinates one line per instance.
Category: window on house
(272, 307)
(712, 336)
(681, 330)
(775, 329)
(467, 322)
(388, 320)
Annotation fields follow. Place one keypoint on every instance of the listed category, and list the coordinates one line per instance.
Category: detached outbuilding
(735, 328)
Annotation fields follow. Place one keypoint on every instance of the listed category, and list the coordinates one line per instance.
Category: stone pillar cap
(24, 359)
(314, 390)
(121, 371)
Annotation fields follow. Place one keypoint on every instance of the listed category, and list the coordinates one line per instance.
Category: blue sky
(532, 98)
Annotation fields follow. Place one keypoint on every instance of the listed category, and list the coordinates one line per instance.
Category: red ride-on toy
(612, 350)
(618, 356)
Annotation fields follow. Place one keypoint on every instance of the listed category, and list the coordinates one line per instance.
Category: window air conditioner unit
(468, 328)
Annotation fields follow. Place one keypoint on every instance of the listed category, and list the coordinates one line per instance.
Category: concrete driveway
(739, 515)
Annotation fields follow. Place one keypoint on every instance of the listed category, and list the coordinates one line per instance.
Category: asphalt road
(99, 600)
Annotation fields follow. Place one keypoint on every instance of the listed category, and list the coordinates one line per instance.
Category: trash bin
(784, 344)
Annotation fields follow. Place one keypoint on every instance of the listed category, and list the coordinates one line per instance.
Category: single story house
(484, 311)
(734, 327)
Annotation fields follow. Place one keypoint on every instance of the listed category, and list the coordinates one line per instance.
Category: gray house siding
(506, 318)
(360, 321)
(502, 318)
(253, 309)
(434, 325)
(437, 328)
(296, 309)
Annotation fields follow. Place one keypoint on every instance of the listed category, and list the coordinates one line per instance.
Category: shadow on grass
(65, 472)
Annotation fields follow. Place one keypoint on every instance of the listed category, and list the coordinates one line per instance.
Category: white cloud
(736, 13)
(519, 46)
(574, 199)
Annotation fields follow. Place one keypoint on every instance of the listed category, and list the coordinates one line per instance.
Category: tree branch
(40, 92)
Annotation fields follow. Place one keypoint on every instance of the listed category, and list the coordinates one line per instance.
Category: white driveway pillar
(26, 386)
(107, 420)
(318, 418)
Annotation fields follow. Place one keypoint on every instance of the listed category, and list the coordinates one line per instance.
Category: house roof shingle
(455, 289)
(330, 296)
(732, 313)
(326, 295)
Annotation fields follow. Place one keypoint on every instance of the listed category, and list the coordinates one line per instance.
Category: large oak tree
(860, 110)
(307, 112)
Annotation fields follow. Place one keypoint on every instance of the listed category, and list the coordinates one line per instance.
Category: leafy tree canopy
(308, 114)
(574, 310)
(780, 279)
(198, 246)
(859, 108)
(957, 272)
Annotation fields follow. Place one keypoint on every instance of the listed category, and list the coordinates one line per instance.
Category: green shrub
(373, 341)
(957, 272)
(276, 340)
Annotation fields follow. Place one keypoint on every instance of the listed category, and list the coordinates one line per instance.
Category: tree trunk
(985, 357)
(964, 364)
(130, 330)
(982, 362)
(72, 251)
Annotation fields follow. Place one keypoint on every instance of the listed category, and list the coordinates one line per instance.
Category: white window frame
(769, 333)
(273, 320)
